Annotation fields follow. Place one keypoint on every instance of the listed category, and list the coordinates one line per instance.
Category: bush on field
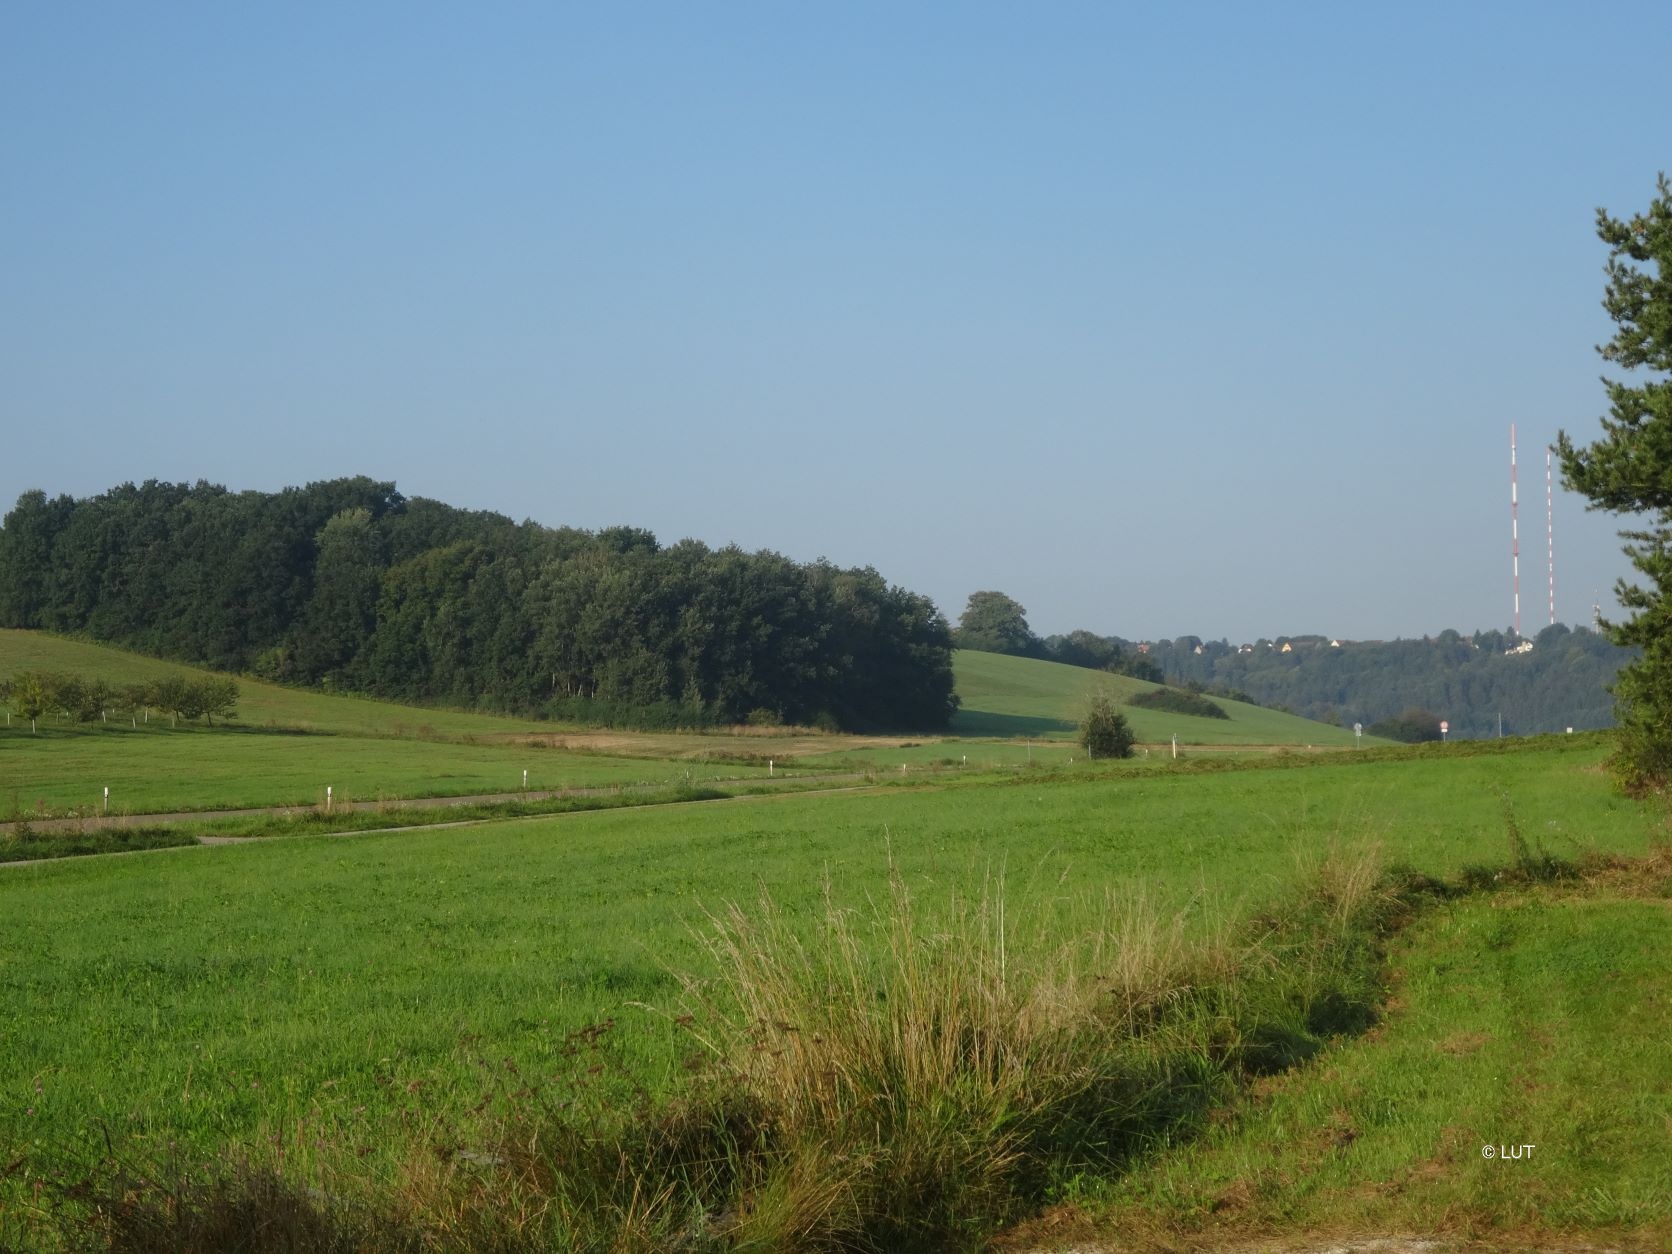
(1104, 731)
(1178, 701)
(1412, 727)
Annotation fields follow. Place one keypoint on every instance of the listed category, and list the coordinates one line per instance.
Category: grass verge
(27, 846)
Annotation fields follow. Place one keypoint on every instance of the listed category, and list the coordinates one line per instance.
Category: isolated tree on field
(140, 697)
(173, 696)
(1629, 471)
(100, 695)
(1104, 731)
(994, 623)
(30, 698)
(220, 696)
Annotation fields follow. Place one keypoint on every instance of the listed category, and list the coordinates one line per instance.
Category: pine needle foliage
(1629, 471)
(1104, 731)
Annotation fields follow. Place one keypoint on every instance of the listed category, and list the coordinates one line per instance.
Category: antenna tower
(1514, 532)
(1550, 530)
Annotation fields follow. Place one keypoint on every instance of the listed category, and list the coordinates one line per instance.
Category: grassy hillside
(259, 704)
(1013, 696)
(288, 746)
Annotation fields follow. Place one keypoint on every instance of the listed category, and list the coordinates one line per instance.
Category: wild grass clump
(928, 1067)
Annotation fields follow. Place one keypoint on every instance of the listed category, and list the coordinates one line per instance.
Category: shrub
(1412, 727)
(1104, 731)
(1178, 701)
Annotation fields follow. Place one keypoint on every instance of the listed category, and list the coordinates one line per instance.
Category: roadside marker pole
(328, 798)
(1175, 745)
(525, 779)
(107, 799)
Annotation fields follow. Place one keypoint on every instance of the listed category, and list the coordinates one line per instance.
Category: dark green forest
(1560, 682)
(348, 585)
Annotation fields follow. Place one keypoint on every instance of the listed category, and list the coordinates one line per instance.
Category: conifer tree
(1629, 471)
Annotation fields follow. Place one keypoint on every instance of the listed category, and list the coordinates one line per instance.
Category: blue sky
(1170, 319)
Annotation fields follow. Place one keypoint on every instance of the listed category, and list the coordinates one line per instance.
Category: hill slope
(1014, 696)
(259, 704)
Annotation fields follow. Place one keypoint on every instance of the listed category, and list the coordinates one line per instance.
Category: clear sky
(1163, 319)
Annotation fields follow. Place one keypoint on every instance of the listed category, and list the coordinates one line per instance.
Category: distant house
(1287, 648)
(1197, 650)
(1335, 644)
(1143, 648)
(1245, 648)
(1526, 646)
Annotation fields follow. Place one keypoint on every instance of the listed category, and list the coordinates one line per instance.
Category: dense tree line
(349, 585)
(1560, 682)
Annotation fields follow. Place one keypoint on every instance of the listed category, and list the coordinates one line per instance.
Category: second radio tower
(1514, 532)
(1550, 530)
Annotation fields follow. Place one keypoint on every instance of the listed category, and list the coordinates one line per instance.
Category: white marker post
(1358, 735)
(769, 766)
(107, 795)
(328, 798)
(1175, 746)
(525, 779)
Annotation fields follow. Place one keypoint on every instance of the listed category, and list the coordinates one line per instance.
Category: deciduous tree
(994, 623)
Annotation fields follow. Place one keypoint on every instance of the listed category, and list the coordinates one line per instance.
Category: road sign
(1444, 727)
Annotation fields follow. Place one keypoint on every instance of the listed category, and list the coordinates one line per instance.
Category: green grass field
(1508, 1014)
(354, 990)
(197, 768)
(1012, 696)
(202, 994)
(288, 745)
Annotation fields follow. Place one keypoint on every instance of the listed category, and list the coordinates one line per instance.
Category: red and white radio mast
(1550, 530)
(1514, 532)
